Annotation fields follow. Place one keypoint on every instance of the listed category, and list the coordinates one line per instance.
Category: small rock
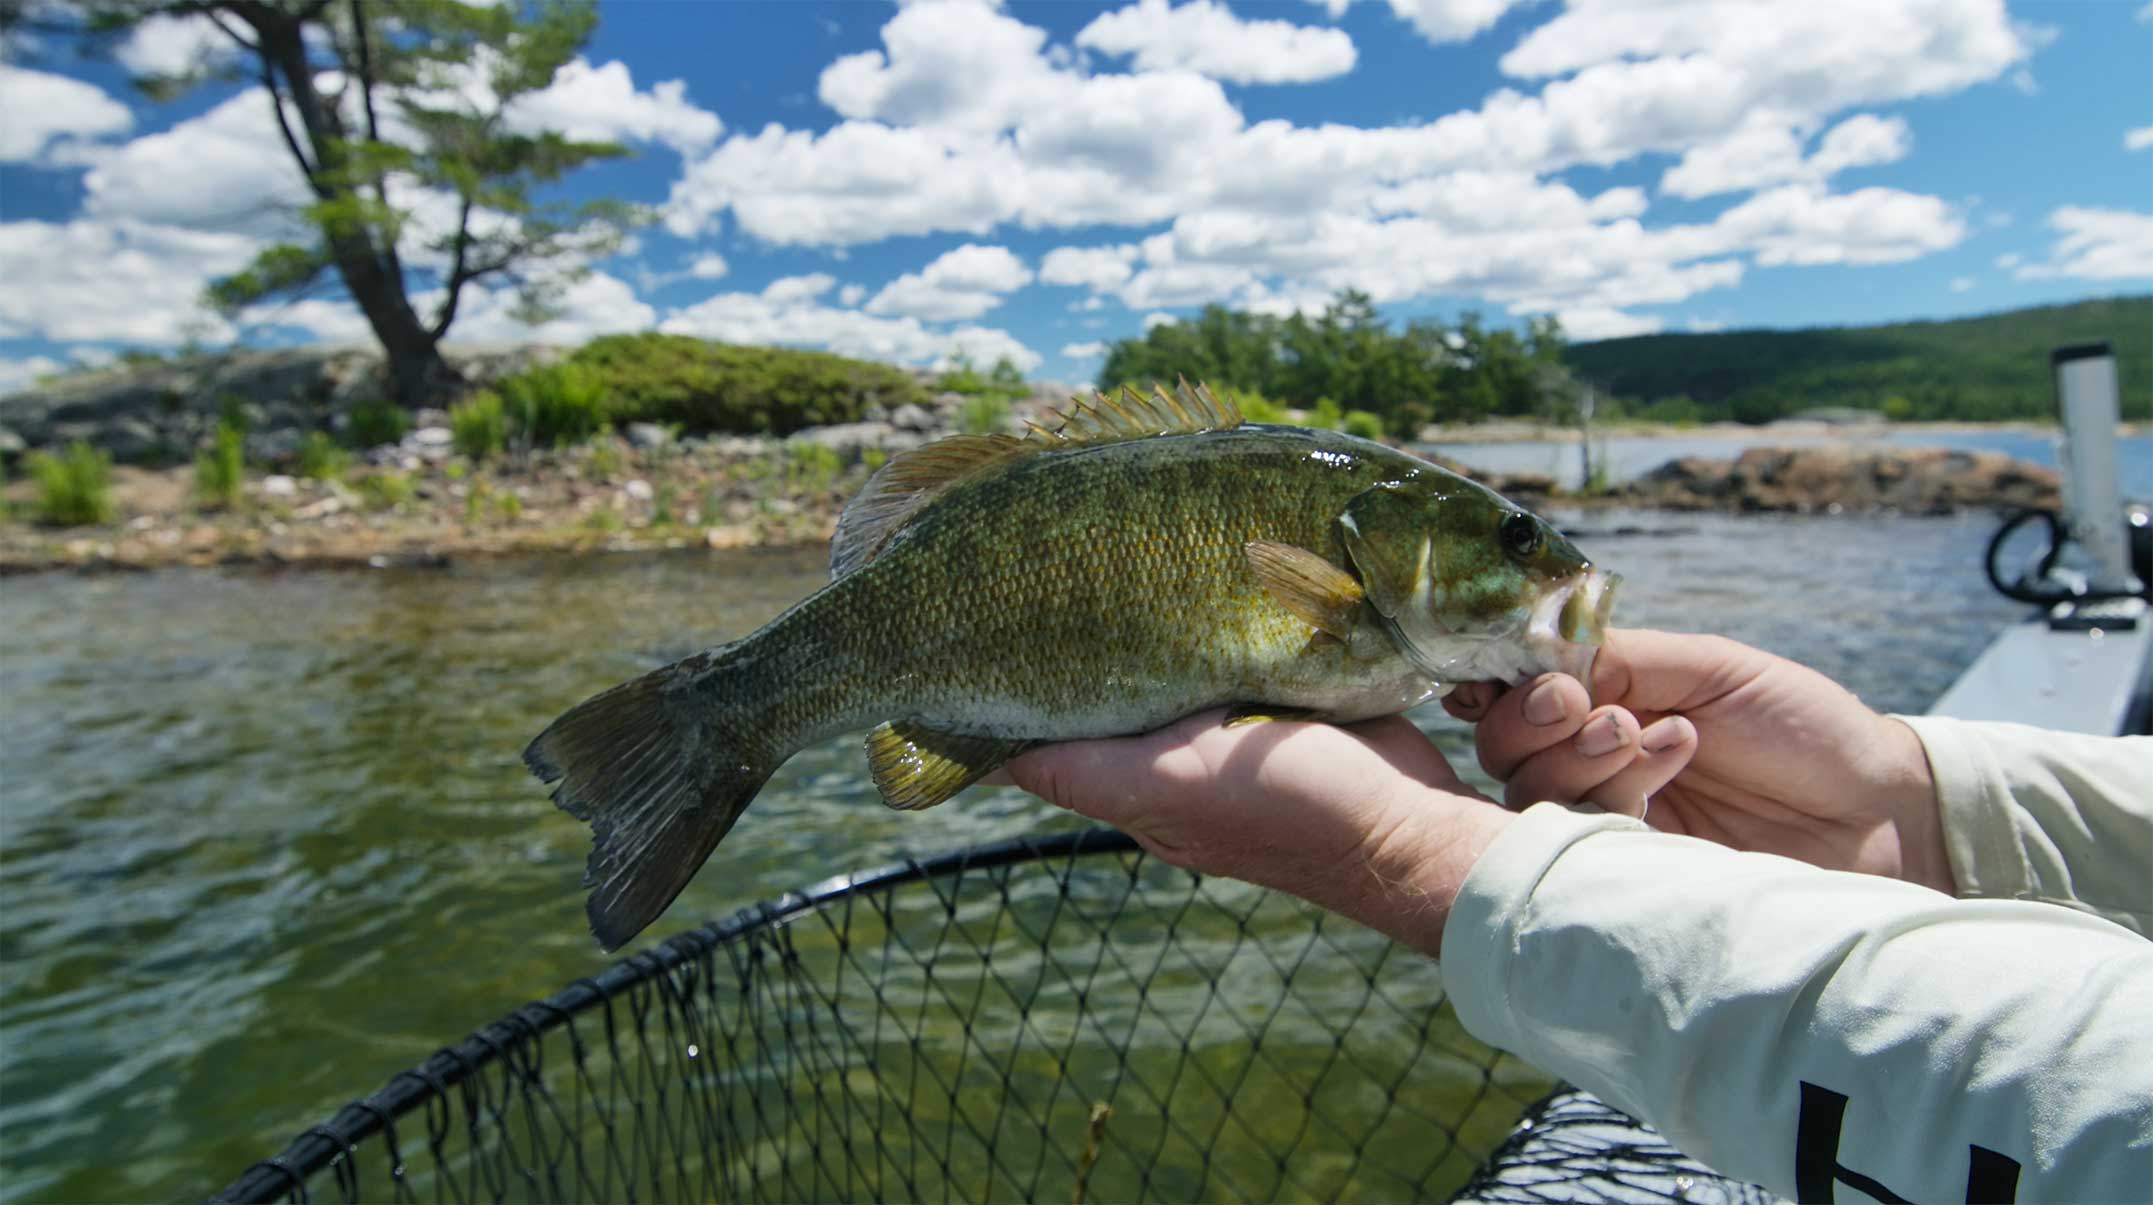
(279, 486)
(912, 417)
(638, 490)
(648, 435)
(426, 439)
(11, 444)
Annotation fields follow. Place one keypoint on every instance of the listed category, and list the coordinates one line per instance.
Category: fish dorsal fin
(1189, 409)
(902, 488)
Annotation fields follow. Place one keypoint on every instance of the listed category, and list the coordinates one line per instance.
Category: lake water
(266, 839)
(1628, 457)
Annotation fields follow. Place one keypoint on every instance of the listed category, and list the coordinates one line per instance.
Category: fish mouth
(1570, 622)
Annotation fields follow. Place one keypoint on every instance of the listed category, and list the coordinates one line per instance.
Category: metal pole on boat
(2093, 499)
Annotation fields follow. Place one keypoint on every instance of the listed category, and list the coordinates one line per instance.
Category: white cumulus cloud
(601, 104)
(962, 283)
(2094, 244)
(113, 281)
(168, 45)
(45, 112)
(1207, 38)
(2138, 139)
(1097, 268)
(801, 320)
(1084, 351)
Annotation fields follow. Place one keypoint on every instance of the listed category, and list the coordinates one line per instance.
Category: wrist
(1418, 866)
(1907, 786)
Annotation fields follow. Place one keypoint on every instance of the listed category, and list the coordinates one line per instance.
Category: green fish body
(1145, 559)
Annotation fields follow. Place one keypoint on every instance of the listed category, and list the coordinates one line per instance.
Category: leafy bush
(555, 404)
(1254, 407)
(385, 490)
(1325, 414)
(479, 427)
(320, 459)
(1408, 418)
(983, 414)
(811, 467)
(220, 474)
(376, 423)
(1005, 382)
(1363, 424)
(74, 487)
(706, 386)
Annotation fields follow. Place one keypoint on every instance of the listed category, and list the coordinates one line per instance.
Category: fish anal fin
(916, 767)
(1317, 591)
(902, 488)
(1265, 713)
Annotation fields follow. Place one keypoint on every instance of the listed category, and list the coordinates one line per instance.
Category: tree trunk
(371, 271)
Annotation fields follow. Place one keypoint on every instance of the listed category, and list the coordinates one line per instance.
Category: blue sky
(1035, 180)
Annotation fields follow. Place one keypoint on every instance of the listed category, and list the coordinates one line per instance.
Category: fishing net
(1061, 1019)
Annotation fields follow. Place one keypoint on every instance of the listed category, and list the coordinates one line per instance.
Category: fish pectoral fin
(1307, 585)
(916, 767)
(1265, 713)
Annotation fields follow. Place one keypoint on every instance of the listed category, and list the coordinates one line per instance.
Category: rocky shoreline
(417, 502)
(727, 493)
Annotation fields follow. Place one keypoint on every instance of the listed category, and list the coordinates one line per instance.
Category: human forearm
(1701, 988)
(2060, 817)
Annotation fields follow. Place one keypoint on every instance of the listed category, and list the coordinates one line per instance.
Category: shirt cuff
(1493, 906)
(1974, 801)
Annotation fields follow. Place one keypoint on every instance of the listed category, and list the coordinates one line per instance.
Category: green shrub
(1408, 418)
(983, 414)
(1005, 383)
(220, 474)
(1363, 424)
(811, 467)
(704, 386)
(605, 459)
(1325, 414)
(320, 459)
(555, 404)
(74, 487)
(1254, 407)
(385, 490)
(479, 427)
(376, 423)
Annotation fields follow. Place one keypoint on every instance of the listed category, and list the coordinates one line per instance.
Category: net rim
(287, 1172)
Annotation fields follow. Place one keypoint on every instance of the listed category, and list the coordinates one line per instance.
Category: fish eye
(1520, 535)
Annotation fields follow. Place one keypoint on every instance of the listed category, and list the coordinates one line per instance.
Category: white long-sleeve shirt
(1827, 1034)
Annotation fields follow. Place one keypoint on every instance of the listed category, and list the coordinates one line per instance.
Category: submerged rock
(1921, 481)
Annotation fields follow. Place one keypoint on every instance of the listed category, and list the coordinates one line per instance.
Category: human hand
(1367, 820)
(1728, 743)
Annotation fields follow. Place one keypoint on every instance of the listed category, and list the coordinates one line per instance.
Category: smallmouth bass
(1139, 560)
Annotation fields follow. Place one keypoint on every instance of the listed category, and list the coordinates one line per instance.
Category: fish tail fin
(660, 768)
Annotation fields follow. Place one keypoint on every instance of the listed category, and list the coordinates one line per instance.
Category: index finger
(1653, 672)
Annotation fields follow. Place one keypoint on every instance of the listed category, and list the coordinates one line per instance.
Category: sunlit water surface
(266, 839)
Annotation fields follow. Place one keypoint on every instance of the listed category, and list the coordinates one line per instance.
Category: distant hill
(1991, 367)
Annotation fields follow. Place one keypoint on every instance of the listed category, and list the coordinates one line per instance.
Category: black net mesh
(1061, 1020)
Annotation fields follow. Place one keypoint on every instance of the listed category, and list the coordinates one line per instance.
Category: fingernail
(1601, 737)
(1664, 735)
(1544, 705)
